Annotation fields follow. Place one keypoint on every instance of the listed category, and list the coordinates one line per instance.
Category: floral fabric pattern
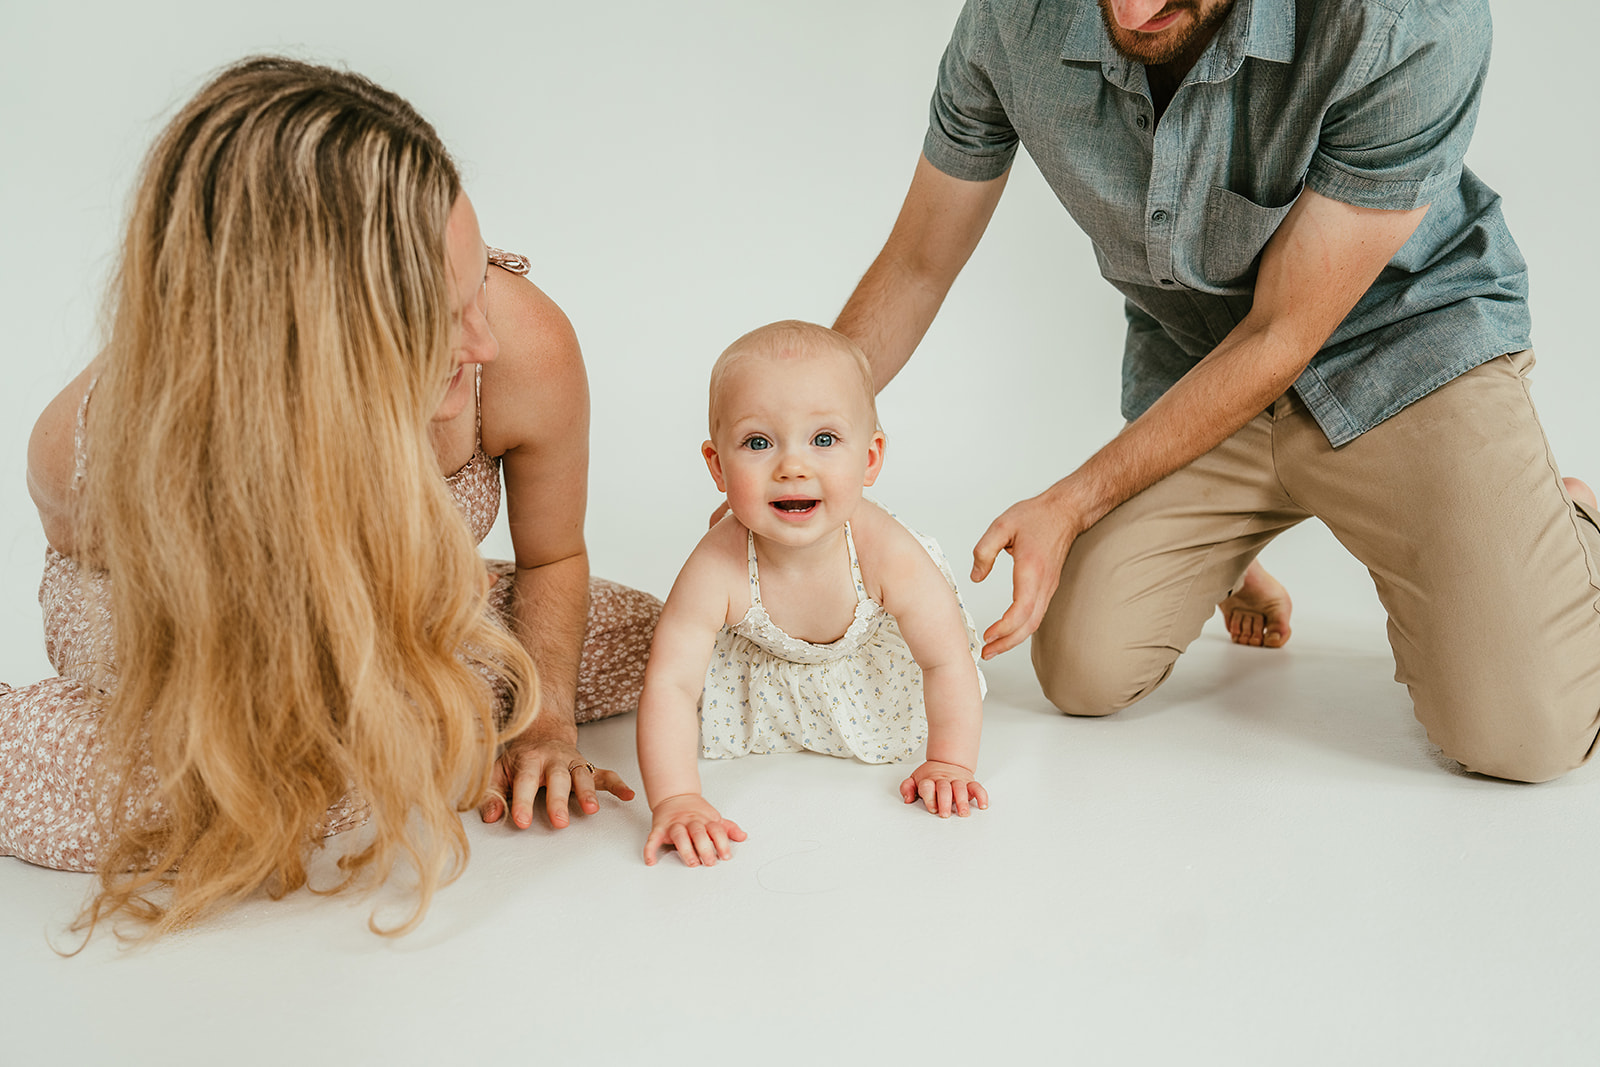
(859, 696)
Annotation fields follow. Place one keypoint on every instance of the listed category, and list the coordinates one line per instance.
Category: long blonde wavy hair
(298, 605)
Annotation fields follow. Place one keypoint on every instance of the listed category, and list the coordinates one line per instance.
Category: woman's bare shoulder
(52, 462)
(537, 385)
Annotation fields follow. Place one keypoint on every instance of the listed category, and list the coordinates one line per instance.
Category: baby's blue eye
(823, 440)
(757, 443)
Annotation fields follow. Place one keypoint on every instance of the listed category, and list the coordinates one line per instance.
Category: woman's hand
(528, 764)
(692, 826)
(944, 788)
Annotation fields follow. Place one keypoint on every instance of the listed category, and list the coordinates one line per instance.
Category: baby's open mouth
(794, 507)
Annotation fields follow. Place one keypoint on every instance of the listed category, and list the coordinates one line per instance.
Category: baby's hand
(944, 787)
(694, 828)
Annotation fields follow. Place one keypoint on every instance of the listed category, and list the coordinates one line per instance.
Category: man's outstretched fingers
(994, 540)
(1020, 620)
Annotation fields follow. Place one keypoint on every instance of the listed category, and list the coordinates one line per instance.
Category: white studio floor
(1265, 863)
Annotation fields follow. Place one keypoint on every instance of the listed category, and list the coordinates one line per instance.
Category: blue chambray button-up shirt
(1368, 102)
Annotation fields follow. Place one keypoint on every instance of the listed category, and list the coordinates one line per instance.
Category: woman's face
(471, 340)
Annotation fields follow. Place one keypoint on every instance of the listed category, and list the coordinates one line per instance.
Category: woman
(248, 481)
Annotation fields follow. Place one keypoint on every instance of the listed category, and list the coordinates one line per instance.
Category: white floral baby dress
(859, 696)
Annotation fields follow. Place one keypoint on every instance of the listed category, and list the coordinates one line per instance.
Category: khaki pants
(1489, 572)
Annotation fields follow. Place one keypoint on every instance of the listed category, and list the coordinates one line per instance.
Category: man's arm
(1322, 258)
(895, 301)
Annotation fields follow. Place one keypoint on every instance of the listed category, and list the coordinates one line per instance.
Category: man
(1326, 316)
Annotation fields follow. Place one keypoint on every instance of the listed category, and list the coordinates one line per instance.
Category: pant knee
(1089, 681)
(1533, 745)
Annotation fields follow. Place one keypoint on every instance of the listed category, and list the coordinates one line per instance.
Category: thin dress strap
(477, 409)
(855, 565)
(80, 434)
(755, 579)
(511, 261)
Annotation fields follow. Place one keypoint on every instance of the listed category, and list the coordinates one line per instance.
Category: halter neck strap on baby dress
(755, 574)
(855, 565)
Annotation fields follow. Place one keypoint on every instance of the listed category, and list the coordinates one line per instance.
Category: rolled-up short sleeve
(1398, 140)
(969, 136)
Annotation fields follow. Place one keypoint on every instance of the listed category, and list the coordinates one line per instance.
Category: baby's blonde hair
(788, 338)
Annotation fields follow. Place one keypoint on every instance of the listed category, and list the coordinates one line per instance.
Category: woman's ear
(875, 450)
(714, 465)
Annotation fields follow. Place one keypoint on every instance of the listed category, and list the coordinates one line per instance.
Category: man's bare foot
(1258, 612)
(1580, 491)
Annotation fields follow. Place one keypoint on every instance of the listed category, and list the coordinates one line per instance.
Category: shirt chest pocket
(1237, 228)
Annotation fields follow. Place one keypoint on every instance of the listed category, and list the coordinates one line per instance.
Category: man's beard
(1154, 49)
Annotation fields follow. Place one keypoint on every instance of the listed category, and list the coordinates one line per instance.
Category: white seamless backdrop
(679, 174)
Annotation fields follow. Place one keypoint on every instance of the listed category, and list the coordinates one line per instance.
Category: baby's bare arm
(913, 590)
(669, 723)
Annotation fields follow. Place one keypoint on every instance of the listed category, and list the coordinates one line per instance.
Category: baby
(807, 618)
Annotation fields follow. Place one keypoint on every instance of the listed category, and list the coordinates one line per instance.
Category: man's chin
(1153, 49)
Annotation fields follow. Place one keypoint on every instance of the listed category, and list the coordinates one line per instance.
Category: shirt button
(1158, 216)
(1142, 121)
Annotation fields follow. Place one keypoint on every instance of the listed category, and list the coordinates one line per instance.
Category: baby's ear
(714, 465)
(875, 450)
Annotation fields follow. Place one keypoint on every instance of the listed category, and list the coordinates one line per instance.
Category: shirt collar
(1260, 28)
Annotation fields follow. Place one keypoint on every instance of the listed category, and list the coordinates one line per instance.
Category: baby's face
(795, 443)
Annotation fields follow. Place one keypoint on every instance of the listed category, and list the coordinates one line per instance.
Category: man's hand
(1037, 532)
(529, 764)
(692, 826)
(945, 789)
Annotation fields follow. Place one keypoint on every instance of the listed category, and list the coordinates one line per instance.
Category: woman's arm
(535, 404)
(52, 463)
(669, 725)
